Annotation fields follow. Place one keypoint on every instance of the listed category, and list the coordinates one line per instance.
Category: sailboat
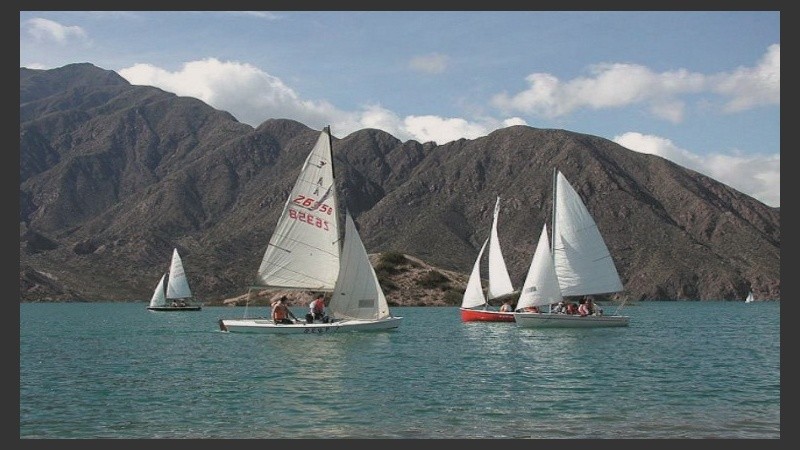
(580, 261)
(750, 298)
(177, 292)
(474, 306)
(306, 252)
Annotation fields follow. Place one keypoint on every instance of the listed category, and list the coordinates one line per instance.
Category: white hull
(267, 326)
(548, 320)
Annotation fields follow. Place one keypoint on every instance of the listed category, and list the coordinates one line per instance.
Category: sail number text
(310, 203)
(319, 330)
(310, 219)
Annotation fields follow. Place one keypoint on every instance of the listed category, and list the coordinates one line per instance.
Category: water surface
(680, 370)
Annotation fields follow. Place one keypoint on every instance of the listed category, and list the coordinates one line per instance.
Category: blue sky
(701, 89)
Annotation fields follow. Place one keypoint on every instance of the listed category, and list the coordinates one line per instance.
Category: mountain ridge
(114, 176)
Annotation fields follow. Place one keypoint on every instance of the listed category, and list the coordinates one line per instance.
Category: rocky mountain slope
(113, 176)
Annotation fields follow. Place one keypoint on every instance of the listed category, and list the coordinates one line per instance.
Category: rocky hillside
(113, 176)
(405, 280)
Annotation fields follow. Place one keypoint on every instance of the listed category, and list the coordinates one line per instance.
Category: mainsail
(499, 281)
(178, 285)
(583, 263)
(303, 252)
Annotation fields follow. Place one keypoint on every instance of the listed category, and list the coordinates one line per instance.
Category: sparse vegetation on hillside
(390, 263)
(453, 297)
(434, 279)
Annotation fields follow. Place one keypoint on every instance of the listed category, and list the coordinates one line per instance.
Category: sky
(699, 88)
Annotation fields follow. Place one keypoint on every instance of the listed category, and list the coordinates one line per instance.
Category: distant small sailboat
(750, 298)
(177, 289)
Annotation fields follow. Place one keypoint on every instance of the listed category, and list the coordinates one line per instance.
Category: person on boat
(559, 308)
(571, 308)
(174, 304)
(183, 304)
(281, 313)
(534, 309)
(317, 308)
(583, 307)
(506, 307)
(594, 310)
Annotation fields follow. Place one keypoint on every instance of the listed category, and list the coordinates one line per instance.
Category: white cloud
(757, 175)
(433, 63)
(45, 30)
(248, 93)
(257, 14)
(610, 86)
(375, 116)
(36, 66)
(253, 96)
(618, 85)
(752, 87)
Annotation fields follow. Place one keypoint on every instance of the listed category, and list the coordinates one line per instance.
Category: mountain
(113, 176)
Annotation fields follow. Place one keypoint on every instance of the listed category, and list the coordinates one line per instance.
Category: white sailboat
(581, 262)
(750, 298)
(304, 253)
(474, 305)
(177, 295)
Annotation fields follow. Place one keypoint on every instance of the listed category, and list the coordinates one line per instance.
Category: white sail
(159, 299)
(541, 284)
(582, 261)
(499, 281)
(357, 294)
(473, 294)
(749, 298)
(303, 252)
(178, 285)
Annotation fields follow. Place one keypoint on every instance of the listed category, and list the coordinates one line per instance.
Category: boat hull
(267, 326)
(547, 320)
(174, 308)
(485, 315)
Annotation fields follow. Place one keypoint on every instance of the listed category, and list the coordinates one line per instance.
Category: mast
(339, 229)
(553, 219)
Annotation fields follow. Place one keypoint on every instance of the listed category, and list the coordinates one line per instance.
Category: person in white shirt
(317, 307)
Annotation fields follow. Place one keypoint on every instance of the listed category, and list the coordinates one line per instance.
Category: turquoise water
(680, 370)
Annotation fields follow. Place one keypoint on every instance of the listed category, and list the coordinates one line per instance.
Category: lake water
(680, 370)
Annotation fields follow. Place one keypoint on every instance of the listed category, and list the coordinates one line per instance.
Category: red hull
(485, 315)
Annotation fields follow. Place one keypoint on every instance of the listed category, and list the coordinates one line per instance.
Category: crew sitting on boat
(506, 307)
(533, 309)
(316, 310)
(281, 313)
(593, 309)
(558, 308)
(587, 308)
(583, 307)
